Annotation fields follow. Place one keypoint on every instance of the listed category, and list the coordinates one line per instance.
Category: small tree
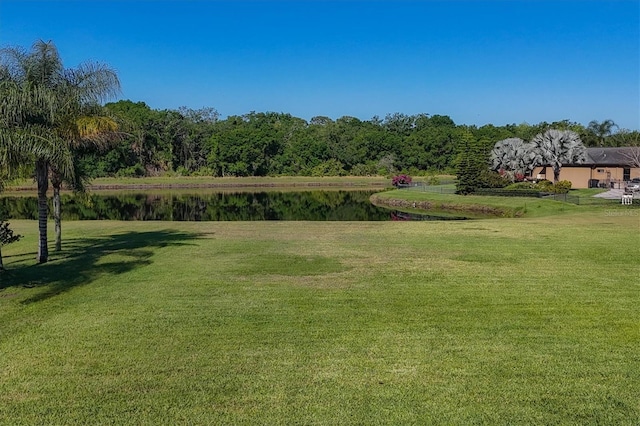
(558, 147)
(6, 237)
(633, 156)
(386, 164)
(401, 180)
(631, 141)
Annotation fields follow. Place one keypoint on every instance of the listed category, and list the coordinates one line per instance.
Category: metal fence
(450, 188)
(440, 188)
(588, 201)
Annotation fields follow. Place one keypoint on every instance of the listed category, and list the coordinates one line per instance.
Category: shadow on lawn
(83, 260)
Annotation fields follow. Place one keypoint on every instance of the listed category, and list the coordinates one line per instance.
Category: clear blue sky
(479, 62)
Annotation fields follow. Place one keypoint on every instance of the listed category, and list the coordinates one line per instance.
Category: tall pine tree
(472, 162)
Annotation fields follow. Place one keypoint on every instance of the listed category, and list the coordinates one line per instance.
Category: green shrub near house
(561, 187)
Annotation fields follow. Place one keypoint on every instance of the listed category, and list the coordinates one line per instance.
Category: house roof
(618, 156)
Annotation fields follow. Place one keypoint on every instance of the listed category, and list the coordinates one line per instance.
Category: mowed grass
(499, 321)
(500, 206)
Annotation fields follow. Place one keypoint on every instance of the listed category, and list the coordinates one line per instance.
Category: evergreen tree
(472, 162)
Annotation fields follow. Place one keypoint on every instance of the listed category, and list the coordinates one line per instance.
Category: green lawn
(498, 321)
(497, 205)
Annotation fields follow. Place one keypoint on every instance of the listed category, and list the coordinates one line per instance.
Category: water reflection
(314, 205)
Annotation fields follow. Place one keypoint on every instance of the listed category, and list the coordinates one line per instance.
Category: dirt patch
(8, 295)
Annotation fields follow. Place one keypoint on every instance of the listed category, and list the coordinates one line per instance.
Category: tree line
(198, 142)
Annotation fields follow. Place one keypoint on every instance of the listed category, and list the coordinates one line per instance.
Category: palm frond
(43, 64)
(93, 82)
(11, 63)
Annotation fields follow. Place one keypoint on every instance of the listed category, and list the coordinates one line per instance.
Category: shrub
(6, 234)
(401, 180)
(522, 186)
(433, 180)
(541, 186)
(330, 167)
(545, 185)
(561, 187)
(182, 171)
(414, 171)
(132, 171)
(360, 169)
(491, 179)
(204, 171)
(6, 237)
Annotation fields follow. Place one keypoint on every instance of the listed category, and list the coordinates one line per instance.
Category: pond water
(211, 205)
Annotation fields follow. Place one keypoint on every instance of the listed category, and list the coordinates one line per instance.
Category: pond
(211, 205)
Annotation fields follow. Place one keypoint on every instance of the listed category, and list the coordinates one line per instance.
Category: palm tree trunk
(42, 178)
(1, 264)
(57, 207)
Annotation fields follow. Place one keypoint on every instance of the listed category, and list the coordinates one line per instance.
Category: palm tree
(26, 136)
(43, 105)
(558, 147)
(601, 130)
(89, 130)
(514, 155)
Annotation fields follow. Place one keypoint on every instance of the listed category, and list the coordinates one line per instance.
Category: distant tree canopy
(198, 142)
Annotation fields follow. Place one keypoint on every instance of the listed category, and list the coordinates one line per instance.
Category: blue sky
(477, 61)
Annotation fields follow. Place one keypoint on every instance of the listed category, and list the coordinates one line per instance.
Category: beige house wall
(580, 176)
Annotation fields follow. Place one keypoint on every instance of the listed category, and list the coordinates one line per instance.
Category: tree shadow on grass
(83, 260)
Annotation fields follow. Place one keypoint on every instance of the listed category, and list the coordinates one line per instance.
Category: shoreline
(426, 205)
(222, 185)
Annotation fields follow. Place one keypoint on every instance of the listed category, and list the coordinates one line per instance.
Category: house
(604, 168)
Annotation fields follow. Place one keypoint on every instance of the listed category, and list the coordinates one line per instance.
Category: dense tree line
(198, 142)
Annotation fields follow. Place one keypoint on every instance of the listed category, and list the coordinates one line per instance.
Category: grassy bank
(520, 321)
(213, 182)
(491, 206)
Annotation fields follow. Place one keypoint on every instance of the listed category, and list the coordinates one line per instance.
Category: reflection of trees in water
(246, 206)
